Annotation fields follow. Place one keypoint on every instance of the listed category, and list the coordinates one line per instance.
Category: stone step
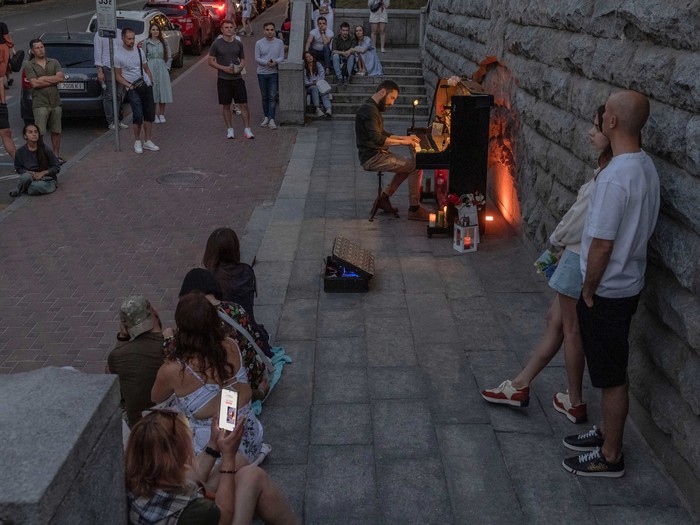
(358, 97)
(401, 80)
(396, 109)
(355, 87)
(390, 71)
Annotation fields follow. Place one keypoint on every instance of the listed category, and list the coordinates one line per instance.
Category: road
(27, 21)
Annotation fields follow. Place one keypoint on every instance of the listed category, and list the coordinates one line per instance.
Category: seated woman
(36, 165)
(201, 280)
(201, 362)
(164, 478)
(366, 55)
(313, 72)
(222, 257)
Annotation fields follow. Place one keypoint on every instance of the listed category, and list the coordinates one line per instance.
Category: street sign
(107, 17)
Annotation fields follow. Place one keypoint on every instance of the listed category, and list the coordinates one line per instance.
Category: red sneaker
(575, 414)
(506, 394)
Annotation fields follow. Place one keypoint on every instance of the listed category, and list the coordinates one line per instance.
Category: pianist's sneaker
(385, 205)
(418, 213)
(593, 463)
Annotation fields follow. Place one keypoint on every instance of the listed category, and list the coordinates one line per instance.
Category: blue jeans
(315, 95)
(269, 85)
(338, 65)
(322, 55)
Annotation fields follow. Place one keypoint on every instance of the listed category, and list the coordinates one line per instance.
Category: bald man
(621, 217)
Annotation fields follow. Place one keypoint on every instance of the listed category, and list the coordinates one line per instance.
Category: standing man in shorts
(5, 131)
(227, 56)
(621, 217)
(44, 74)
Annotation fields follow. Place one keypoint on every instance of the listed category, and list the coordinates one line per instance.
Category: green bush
(395, 4)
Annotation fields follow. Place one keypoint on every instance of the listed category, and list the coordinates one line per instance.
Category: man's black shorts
(4, 117)
(231, 91)
(605, 329)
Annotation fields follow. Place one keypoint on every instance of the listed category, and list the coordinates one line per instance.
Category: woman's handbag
(324, 9)
(16, 61)
(323, 87)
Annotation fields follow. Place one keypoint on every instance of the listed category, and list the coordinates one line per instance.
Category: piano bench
(377, 201)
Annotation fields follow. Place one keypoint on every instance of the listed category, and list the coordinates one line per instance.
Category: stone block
(286, 428)
(403, 429)
(62, 451)
(341, 385)
(396, 382)
(342, 424)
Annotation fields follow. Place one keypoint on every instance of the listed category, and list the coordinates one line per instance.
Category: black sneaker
(14, 193)
(587, 441)
(594, 464)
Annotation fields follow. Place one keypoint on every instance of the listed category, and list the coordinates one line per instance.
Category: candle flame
(415, 102)
(489, 218)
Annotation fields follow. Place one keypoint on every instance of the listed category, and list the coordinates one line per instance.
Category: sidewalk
(379, 419)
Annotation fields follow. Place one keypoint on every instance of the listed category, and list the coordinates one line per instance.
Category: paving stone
(341, 424)
(344, 351)
(295, 387)
(420, 274)
(272, 280)
(340, 323)
(298, 320)
(341, 385)
(473, 468)
(534, 465)
(641, 515)
(292, 480)
(341, 485)
(431, 319)
(305, 279)
(403, 429)
(413, 491)
(396, 382)
(286, 429)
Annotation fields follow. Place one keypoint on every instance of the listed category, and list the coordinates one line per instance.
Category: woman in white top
(159, 62)
(562, 320)
(378, 18)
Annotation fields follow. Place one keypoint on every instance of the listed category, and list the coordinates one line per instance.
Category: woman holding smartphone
(201, 362)
(165, 480)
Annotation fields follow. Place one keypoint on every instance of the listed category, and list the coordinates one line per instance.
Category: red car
(195, 21)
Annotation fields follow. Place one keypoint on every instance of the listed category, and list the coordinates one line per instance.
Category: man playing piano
(373, 144)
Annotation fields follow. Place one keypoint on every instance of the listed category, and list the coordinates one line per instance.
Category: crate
(348, 269)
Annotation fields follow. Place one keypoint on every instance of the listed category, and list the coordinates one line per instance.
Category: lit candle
(467, 242)
(489, 218)
(441, 219)
(444, 214)
(431, 220)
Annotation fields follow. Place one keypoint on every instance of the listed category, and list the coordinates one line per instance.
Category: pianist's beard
(382, 104)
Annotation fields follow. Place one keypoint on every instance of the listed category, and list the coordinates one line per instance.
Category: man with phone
(138, 354)
(269, 52)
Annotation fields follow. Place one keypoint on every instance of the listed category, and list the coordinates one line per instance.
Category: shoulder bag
(323, 87)
(16, 61)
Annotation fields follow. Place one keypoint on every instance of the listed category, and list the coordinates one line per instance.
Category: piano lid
(444, 93)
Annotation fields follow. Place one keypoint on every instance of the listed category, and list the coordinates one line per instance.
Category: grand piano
(457, 138)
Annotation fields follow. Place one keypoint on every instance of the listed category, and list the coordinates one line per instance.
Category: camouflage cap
(135, 313)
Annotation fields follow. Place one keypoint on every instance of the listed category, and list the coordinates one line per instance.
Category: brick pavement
(69, 259)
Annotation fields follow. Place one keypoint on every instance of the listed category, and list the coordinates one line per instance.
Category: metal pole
(115, 102)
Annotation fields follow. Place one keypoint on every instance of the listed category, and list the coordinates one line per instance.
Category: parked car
(81, 93)
(140, 21)
(195, 21)
(219, 8)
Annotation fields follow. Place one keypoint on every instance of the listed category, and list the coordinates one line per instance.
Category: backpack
(376, 5)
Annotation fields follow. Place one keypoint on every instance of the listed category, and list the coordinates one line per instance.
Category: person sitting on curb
(36, 165)
(165, 480)
(342, 54)
(137, 356)
(319, 43)
(313, 72)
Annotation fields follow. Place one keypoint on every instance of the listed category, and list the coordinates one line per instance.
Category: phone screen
(228, 410)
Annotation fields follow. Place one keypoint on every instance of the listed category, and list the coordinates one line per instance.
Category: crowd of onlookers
(180, 465)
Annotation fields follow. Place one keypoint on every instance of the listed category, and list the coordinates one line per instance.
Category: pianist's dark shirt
(369, 130)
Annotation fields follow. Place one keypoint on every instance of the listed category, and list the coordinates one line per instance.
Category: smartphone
(228, 410)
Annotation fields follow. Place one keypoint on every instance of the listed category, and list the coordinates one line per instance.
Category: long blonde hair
(159, 454)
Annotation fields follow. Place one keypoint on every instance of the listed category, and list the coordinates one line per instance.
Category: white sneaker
(156, 120)
(111, 126)
(329, 112)
(319, 112)
(123, 126)
(265, 122)
(265, 449)
(247, 133)
(162, 119)
(272, 124)
(229, 133)
(138, 147)
(150, 146)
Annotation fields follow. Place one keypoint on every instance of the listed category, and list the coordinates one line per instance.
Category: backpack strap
(266, 360)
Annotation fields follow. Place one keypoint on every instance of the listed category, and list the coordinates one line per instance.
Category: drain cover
(189, 179)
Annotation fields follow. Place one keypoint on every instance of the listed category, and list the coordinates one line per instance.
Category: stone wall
(550, 63)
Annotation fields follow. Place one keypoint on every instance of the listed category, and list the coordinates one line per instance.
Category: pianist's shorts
(567, 279)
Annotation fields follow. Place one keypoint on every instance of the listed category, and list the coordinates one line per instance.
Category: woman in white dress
(159, 62)
(378, 18)
(325, 9)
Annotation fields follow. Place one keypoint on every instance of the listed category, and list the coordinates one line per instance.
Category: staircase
(405, 71)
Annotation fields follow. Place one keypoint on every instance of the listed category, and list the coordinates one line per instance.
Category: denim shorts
(567, 279)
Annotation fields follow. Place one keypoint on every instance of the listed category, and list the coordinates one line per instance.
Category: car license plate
(71, 86)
